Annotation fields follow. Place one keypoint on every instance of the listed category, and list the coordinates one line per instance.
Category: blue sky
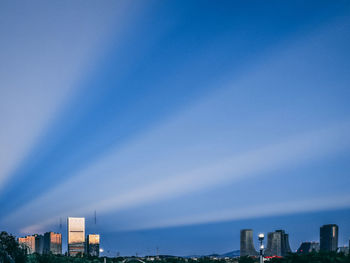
(178, 122)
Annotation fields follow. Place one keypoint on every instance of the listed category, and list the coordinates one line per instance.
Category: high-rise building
(329, 237)
(39, 244)
(28, 243)
(76, 235)
(285, 242)
(273, 247)
(308, 247)
(277, 244)
(52, 243)
(247, 245)
(93, 245)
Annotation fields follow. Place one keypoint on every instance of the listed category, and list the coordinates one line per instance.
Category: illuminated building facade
(52, 243)
(247, 244)
(93, 245)
(329, 237)
(28, 243)
(76, 235)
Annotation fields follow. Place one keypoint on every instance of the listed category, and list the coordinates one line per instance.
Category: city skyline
(276, 243)
(174, 125)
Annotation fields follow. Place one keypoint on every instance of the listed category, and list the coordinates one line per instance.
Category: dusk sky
(178, 122)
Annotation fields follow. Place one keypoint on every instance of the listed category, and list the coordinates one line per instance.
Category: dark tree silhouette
(10, 251)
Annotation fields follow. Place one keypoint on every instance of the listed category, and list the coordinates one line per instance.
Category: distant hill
(231, 254)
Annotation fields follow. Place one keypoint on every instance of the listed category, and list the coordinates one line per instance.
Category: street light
(261, 238)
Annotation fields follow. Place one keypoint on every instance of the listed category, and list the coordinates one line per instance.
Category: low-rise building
(308, 247)
(28, 243)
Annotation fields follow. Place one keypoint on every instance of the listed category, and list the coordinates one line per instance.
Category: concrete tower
(277, 244)
(247, 245)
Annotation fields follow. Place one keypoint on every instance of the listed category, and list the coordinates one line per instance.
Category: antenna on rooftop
(95, 217)
(60, 223)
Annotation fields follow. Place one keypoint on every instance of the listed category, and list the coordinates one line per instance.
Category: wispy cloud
(277, 208)
(291, 152)
(46, 49)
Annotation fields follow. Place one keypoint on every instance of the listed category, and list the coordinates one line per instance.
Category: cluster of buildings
(51, 242)
(278, 243)
(328, 241)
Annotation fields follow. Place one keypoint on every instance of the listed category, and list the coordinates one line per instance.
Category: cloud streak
(312, 204)
(46, 51)
(291, 152)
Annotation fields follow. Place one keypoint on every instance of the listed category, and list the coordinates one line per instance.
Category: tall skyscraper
(76, 235)
(247, 244)
(277, 244)
(52, 243)
(329, 237)
(93, 245)
(28, 243)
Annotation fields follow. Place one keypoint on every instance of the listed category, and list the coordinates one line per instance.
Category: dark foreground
(293, 258)
(10, 252)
